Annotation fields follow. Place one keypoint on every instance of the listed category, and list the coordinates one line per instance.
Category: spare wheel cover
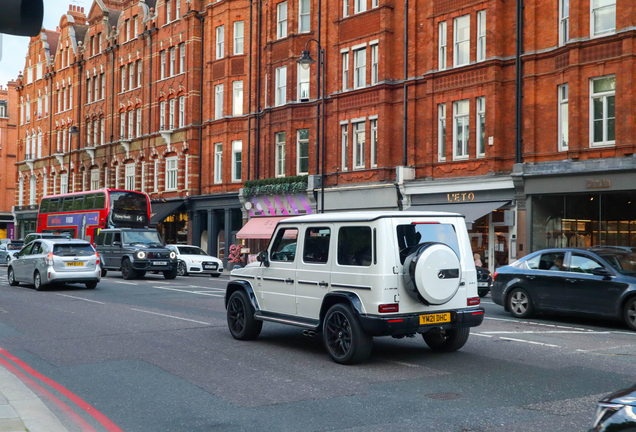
(437, 273)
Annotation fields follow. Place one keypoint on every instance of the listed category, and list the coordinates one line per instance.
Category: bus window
(78, 202)
(53, 206)
(89, 201)
(68, 204)
(100, 201)
(44, 206)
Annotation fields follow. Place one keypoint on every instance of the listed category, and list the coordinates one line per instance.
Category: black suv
(134, 252)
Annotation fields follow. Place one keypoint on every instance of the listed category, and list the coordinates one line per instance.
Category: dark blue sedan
(596, 281)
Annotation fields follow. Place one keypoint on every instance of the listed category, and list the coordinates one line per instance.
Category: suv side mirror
(116, 243)
(601, 272)
(263, 258)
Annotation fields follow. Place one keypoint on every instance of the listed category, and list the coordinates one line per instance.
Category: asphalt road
(155, 355)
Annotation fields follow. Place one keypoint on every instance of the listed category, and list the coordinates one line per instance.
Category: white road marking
(538, 324)
(623, 332)
(79, 298)
(547, 332)
(159, 282)
(170, 316)
(529, 342)
(207, 293)
(486, 302)
(480, 334)
(189, 292)
(122, 282)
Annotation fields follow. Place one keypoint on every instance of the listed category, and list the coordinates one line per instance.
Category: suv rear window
(354, 246)
(73, 250)
(411, 235)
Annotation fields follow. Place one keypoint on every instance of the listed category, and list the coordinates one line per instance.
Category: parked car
(616, 412)
(352, 276)
(484, 280)
(193, 259)
(8, 250)
(595, 281)
(42, 262)
(34, 236)
(134, 252)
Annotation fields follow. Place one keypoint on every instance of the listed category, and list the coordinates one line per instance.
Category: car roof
(365, 216)
(592, 249)
(63, 240)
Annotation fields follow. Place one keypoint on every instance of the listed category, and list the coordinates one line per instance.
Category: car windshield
(191, 250)
(73, 250)
(623, 263)
(142, 237)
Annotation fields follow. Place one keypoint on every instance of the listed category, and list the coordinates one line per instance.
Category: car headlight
(173, 255)
(604, 411)
(141, 255)
(193, 261)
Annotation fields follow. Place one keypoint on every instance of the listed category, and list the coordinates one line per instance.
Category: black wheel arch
(623, 302)
(237, 285)
(345, 297)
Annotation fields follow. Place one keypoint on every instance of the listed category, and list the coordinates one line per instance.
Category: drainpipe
(258, 93)
(406, 76)
(249, 98)
(519, 86)
(49, 77)
(202, 19)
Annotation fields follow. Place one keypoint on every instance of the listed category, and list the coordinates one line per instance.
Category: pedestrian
(477, 259)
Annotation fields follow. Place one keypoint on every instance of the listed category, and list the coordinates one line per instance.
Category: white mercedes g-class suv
(352, 276)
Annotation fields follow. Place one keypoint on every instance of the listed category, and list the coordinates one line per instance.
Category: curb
(22, 410)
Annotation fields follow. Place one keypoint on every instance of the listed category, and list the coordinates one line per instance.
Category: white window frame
(218, 101)
(237, 98)
(94, 179)
(218, 163)
(122, 71)
(304, 16)
(181, 111)
(441, 132)
(122, 126)
(604, 98)
(303, 86)
(95, 133)
(171, 107)
(299, 142)
(156, 176)
(281, 20)
(359, 6)
(359, 143)
(131, 123)
(168, 11)
(345, 8)
(172, 169)
(374, 142)
(138, 126)
(460, 42)
(281, 86)
(131, 76)
(220, 42)
(182, 53)
(135, 26)
(32, 189)
(465, 123)
(239, 37)
(102, 131)
(95, 89)
(564, 22)
(593, 11)
(344, 141)
(443, 45)
(129, 177)
(177, 14)
(374, 63)
(480, 104)
(345, 71)
(89, 93)
(173, 61)
(563, 140)
(162, 115)
(237, 160)
(481, 35)
(359, 68)
(103, 79)
(163, 64)
(64, 183)
(280, 154)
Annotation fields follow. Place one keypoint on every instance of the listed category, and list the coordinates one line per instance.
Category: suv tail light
(386, 308)
(49, 259)
(97, 260)
(473, 301)
(494, 276)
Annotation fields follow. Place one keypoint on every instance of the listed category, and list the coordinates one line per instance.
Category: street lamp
(305, 61)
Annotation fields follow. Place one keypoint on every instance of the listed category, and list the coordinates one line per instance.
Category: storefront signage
(279, 205)
(460, 197)
(598, 184)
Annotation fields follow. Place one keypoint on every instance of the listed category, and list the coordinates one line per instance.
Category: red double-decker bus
(82, 214)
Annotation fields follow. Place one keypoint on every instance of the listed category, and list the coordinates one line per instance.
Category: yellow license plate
(435, 318)
(74, 264)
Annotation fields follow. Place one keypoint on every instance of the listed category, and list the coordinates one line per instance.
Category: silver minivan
(45, 261)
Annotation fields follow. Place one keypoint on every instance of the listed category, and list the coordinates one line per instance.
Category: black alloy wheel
(91, 285)
(345, 339)
(141, 274)
(11, 277)
(240, 317)
(182, 269)
(127, 272)
(446, 340)
(520, 303)
(170, 274)
(629, 313)
(37, 281)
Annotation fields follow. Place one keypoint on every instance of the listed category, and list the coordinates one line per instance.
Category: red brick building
(8, 151)
(186, 101)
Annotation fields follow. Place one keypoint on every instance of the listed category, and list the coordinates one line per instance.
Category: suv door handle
(323, 284)
(289, 281)
(569, 280)
(531, 277)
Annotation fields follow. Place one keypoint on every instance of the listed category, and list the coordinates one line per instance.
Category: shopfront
(7, 226)
(171, 219)
(26, 220)
(488, 205)
(581, 209)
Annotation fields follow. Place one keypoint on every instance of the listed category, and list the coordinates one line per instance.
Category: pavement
(21, 410)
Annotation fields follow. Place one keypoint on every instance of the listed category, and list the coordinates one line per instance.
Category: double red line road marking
(32, 378)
